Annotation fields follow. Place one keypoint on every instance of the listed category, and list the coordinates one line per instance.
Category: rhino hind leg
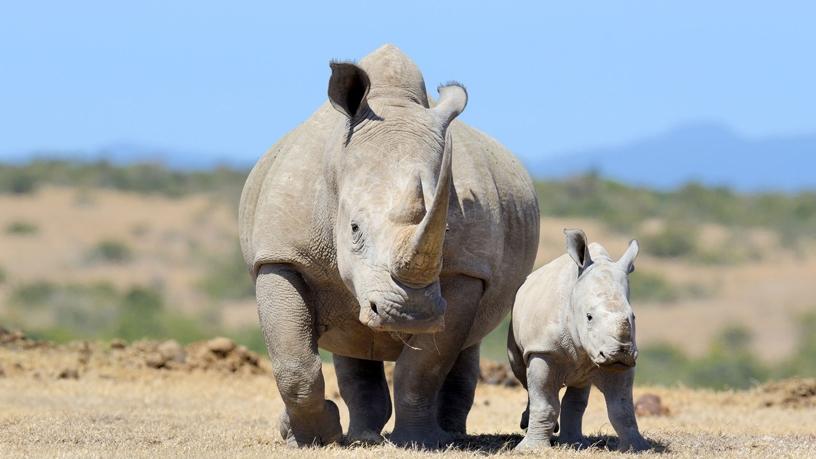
(309, 419)
(573, 405)
(364, 389)
(456, 395)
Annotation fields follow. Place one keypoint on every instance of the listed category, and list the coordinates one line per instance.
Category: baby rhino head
(602, 315)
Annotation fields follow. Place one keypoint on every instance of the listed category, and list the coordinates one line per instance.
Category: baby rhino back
(538, 313)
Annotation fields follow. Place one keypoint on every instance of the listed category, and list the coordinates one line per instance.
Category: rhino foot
(421, 439)
(366, 437)
(635, 444)
(315, 430)
(531, 444)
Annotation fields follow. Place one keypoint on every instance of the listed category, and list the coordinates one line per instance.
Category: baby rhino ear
(627, 261)
(577, 248)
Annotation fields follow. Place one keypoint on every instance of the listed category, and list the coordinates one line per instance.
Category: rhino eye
(356, 235)
(589, 317)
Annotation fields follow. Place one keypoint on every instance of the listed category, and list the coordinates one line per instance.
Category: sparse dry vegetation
(710, 260)
(123, 253)
(213, 398)
(21, 228)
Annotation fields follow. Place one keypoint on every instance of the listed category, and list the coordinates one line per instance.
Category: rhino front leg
(457, 392)
(287, 321)
(422, 367)
(365, 391)
(573, 405)
(617, 391)
(543, 405)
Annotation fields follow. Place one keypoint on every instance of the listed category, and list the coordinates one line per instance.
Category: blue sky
(227, 79)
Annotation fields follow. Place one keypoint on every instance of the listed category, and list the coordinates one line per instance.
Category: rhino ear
(348, 88)
(453, 99)
(627, 261)
(577, 248)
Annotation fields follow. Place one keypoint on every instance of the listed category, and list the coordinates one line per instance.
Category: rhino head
(392, 179)
(602, 317)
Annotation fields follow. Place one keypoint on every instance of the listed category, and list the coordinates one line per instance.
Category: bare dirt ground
(215, 399)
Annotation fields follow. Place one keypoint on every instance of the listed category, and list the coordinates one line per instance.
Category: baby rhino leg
(542, 392)
(573, 405)
(617, 390)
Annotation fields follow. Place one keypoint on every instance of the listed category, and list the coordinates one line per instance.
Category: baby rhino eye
(354, 228)
(589, 316)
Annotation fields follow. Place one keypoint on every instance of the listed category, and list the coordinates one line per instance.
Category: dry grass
(119, 407)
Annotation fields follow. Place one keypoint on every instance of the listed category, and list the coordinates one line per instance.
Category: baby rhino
(572, 326)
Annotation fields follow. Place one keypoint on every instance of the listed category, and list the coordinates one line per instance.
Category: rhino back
(539, 307)
(276, 213)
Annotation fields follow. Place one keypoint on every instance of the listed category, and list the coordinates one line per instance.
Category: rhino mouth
(619, 361)
(387, 316)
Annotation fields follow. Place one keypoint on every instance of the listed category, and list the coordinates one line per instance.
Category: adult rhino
(382, 229)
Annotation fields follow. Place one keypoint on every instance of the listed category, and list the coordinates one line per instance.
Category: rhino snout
(422, 311)
(621, 358)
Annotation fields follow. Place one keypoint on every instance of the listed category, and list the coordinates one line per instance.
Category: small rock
(171, 350)
(220, 345)
(118, 344)
(155, 360)
(68, 373)
(650, 405)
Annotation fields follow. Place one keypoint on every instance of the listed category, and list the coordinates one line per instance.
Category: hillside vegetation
(618, 205)
(143, 251)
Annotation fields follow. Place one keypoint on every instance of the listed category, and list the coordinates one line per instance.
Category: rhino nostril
(373, 307)
(602, 354)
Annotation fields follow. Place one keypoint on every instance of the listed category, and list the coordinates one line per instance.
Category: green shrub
(652, 287)
(661, 364)
(21, 228)
(227, 277)
(803, 361)
(21, 184)
(673, 241)
(85, 309)
(111, 251)
(729, 364)
(98, 311)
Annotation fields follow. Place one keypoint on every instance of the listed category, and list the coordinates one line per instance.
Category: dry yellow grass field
(84, 400)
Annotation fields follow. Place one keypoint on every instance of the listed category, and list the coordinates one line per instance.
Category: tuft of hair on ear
(451, 83)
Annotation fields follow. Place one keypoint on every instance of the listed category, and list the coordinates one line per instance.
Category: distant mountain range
(707, 153)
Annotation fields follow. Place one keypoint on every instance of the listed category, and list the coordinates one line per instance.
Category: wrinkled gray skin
(382, 229)
(573, 326)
